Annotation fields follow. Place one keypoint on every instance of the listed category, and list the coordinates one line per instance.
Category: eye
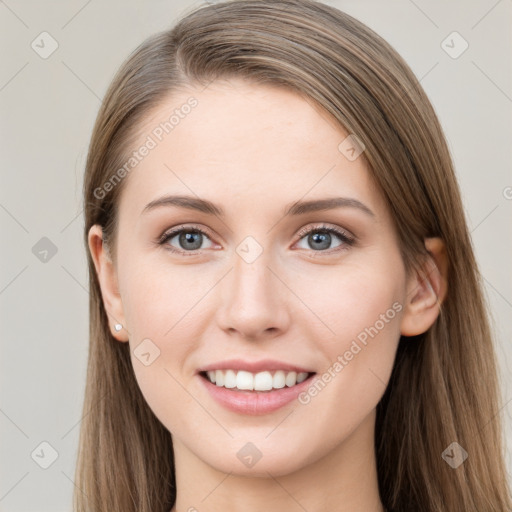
(188, 239)
(321, 237)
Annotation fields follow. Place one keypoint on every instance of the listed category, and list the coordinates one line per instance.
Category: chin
(254, 459)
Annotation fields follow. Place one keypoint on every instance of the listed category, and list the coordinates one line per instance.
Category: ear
(107, 278)
(426, 290)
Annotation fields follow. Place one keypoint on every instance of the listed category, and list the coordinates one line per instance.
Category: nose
(254, 301)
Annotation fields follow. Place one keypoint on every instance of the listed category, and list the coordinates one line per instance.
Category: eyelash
(347, 240)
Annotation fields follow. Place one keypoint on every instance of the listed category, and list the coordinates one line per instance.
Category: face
(305, 304)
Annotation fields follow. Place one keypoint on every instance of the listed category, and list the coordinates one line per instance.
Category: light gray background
(48, 107)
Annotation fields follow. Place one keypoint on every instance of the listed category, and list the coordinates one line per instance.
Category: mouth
(266, 381)
(254, 387)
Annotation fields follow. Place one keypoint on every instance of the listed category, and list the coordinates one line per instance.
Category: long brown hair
(444, 385)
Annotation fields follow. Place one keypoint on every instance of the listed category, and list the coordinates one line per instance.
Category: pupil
(321, 237)
(188, 238)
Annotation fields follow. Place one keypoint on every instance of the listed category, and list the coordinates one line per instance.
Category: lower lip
(254, 402)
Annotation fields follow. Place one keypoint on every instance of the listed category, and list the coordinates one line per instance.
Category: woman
(286, 312)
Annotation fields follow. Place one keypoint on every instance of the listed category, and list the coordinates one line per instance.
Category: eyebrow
(297, 208)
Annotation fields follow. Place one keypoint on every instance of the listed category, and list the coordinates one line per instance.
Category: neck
(343, 481)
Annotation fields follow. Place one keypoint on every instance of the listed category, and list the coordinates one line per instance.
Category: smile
(254, 387)
(262, 381)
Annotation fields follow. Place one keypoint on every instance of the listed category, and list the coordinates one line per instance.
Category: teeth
(279, 380)
(244, 380)
(262, 381)
(291, 379)
(301, 377)
(230, 379)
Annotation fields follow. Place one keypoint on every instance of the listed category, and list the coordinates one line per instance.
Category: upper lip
(254, 366)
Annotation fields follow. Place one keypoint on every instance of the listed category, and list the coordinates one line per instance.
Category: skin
(254, 149)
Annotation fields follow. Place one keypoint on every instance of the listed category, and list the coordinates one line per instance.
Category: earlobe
(107, 277)
(426, 291)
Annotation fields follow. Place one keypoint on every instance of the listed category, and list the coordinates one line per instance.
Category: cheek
(158, 298)
(347, 300)
(362, 308)
(163, 312)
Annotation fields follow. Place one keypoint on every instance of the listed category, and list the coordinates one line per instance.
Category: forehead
(249, 141)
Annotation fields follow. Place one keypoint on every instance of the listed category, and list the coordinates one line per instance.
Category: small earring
(118, 327)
